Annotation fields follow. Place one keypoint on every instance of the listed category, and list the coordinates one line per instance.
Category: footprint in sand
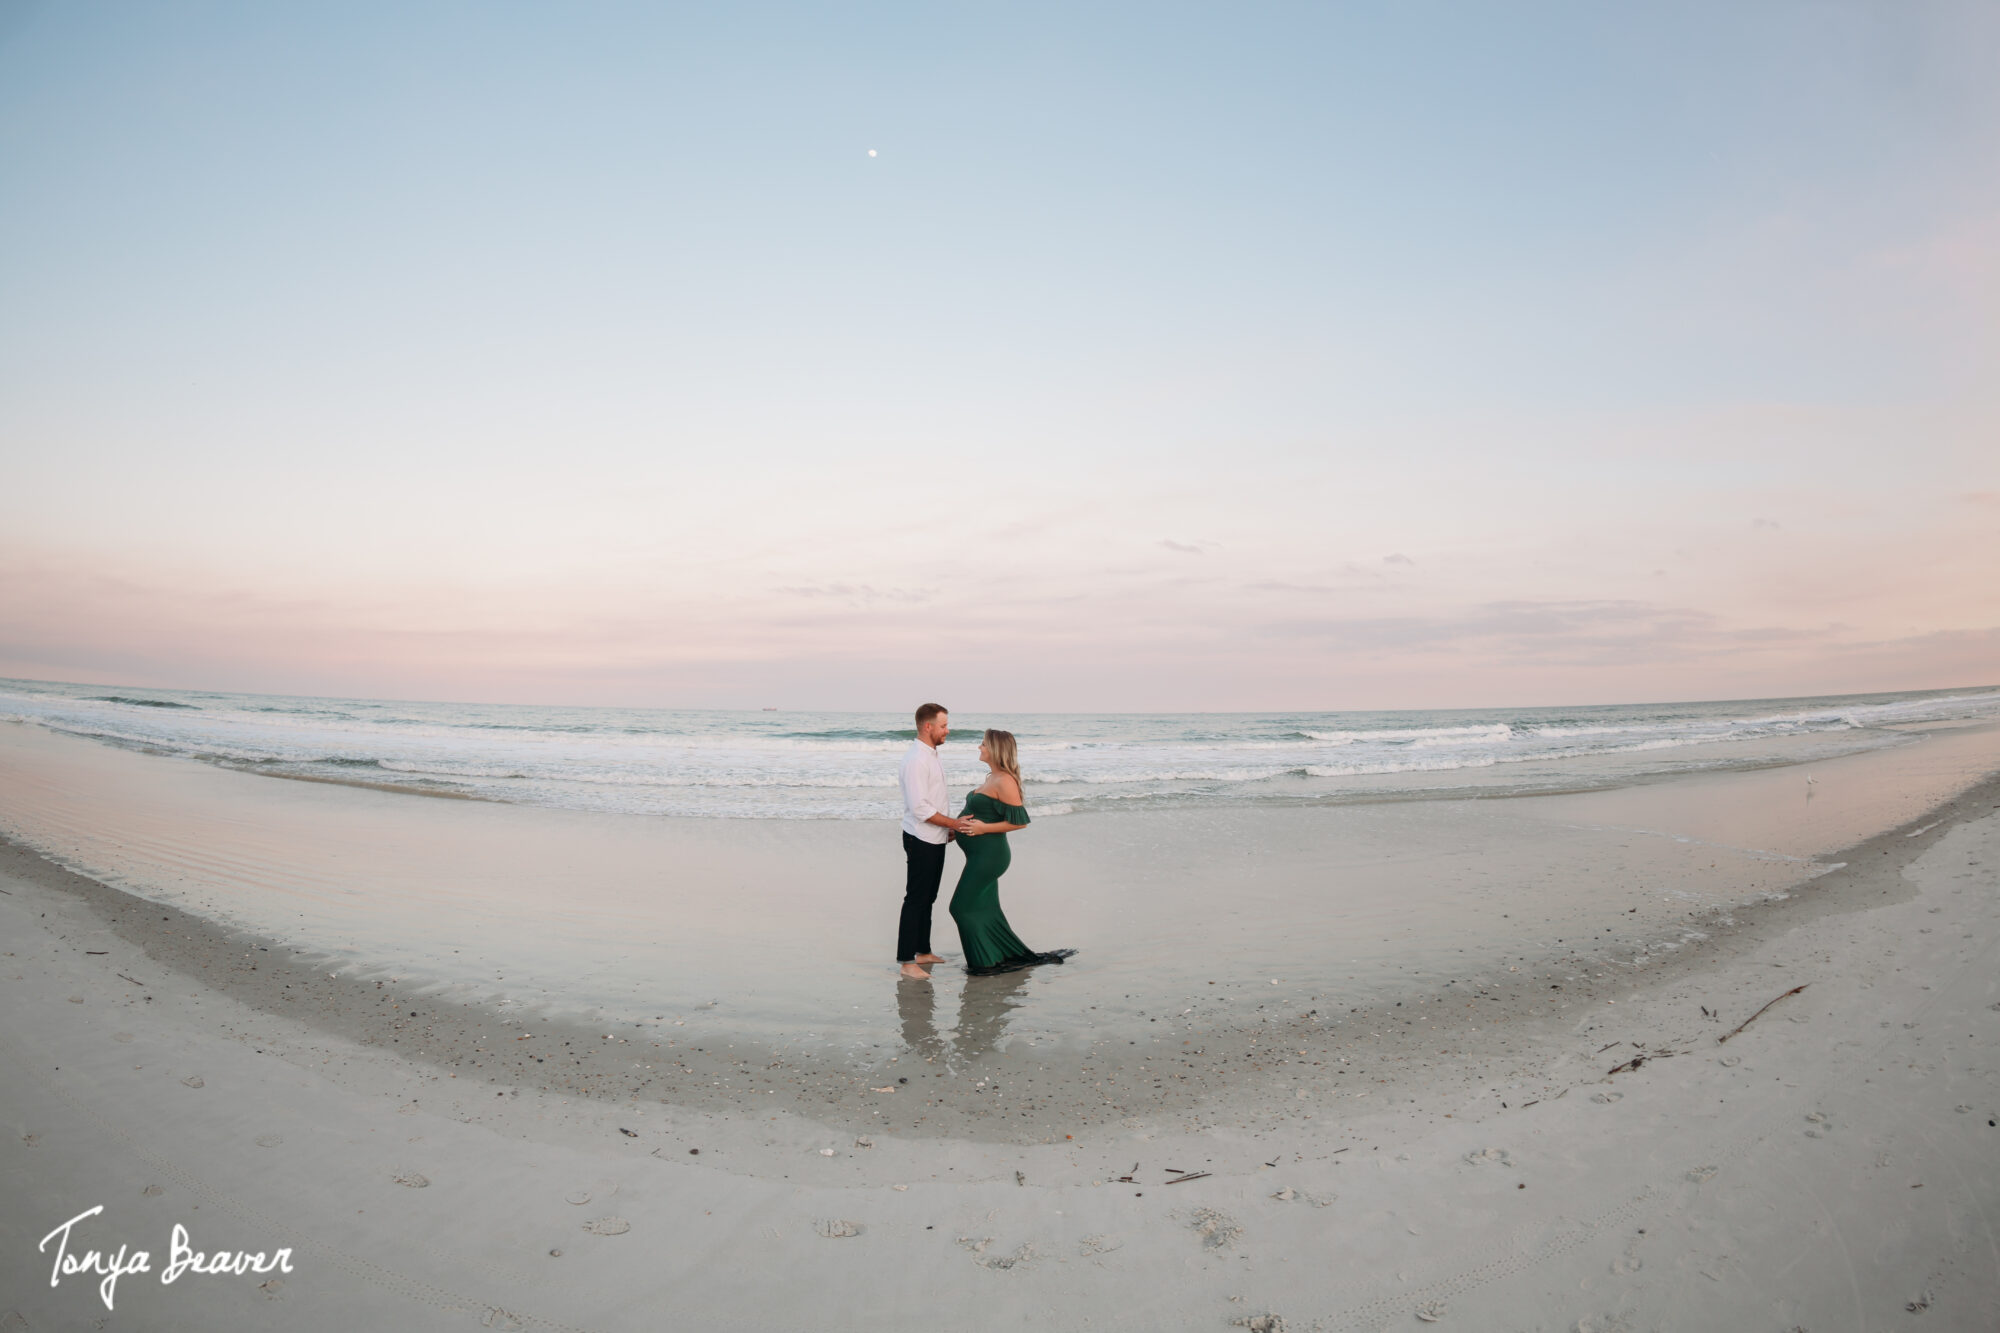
(1489, 1157)
(153, 1191)
(1701, 1173)
(411, 1180)
(997, 1262)
(837, 1228)
(193, 1081)
(269, 1140)
(1730, 1061)
(1605, 1323)
(1432, 1311)
(1606, 1098)
(607, 1226)
(577, 1197)
(1218, 1230)
(1260, 1323)
(121, 1036)
(1288, 1194)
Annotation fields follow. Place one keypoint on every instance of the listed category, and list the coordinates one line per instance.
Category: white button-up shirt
(923, 792)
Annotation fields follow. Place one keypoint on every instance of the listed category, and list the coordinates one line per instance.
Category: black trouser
(920, 890)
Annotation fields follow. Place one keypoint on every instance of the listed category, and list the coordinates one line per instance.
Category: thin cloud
(1183, 547)
(1570, 631)
(856, 594)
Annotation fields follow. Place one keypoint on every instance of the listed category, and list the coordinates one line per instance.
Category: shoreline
(460, 1038)
(1605, 1165)
(771, 934)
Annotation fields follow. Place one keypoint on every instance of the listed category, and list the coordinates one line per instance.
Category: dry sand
(1466, 1155)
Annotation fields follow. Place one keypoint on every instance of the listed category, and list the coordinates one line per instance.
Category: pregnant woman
(995, 809)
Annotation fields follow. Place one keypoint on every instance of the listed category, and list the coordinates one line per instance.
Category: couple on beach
(992, 811)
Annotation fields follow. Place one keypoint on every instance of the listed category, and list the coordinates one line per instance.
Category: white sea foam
(834, 766)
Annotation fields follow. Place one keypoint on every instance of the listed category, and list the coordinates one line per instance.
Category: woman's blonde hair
(1000, 744)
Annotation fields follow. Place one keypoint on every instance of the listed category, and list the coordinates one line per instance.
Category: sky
(1125, 357)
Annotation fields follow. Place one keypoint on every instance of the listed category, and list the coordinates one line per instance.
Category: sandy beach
(1429, 572)
(1339, 1085)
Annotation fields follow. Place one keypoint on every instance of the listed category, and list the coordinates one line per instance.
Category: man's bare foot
(929, 958)
(915, 973)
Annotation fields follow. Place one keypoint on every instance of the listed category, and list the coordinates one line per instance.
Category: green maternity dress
(990, 943)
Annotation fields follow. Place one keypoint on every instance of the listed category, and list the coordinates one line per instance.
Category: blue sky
(584, 352)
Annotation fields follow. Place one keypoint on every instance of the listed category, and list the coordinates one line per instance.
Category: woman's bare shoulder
(1008, 790)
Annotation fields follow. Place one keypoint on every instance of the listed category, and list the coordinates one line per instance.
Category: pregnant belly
(987, 854)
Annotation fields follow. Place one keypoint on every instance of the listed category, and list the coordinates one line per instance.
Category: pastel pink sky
(1157, 376)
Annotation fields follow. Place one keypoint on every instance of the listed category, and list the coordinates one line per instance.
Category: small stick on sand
(1185, 1179)
(140, 984)
(1759, 1014)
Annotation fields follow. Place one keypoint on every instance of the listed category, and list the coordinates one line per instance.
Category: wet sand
(1364, 1146)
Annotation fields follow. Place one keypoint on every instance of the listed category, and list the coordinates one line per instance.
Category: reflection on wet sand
(983, 1007)
(916, 1004)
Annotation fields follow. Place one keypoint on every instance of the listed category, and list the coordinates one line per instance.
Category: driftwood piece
(1759, 1014)
(1185, 1179)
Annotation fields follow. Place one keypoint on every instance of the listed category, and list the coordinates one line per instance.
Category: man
(926, 831)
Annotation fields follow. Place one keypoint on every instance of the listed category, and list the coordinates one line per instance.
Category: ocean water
(816, 765)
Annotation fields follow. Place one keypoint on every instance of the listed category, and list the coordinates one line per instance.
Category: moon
(871, 152)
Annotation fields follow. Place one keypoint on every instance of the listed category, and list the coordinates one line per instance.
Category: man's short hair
(928, 711)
